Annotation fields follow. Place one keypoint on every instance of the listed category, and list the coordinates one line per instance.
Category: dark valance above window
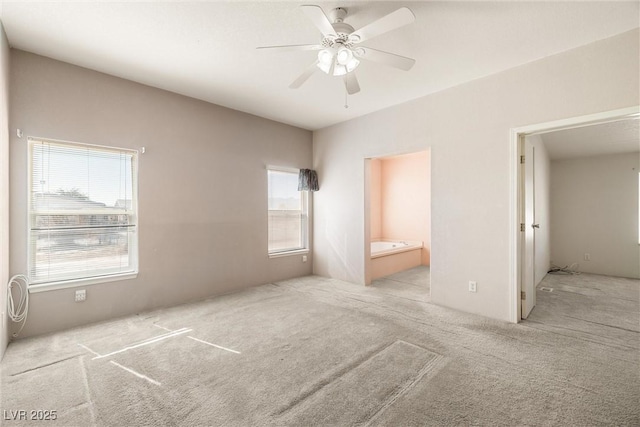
(307, 180)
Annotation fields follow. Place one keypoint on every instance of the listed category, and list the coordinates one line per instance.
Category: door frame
(516, 189)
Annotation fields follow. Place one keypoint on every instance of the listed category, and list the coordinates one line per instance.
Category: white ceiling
(616, 137)
(206, 50)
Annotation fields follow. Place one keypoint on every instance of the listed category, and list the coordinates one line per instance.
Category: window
(82, 212)
(288, 213)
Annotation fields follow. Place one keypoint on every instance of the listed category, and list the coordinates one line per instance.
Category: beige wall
(202, 187)
(4, 187)
(594, 210)
(468, 130)
(406, 199)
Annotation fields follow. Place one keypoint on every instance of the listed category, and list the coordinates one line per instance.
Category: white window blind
(288, 216)
(82, 211)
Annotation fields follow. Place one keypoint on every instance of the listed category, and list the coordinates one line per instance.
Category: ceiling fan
(339, 49)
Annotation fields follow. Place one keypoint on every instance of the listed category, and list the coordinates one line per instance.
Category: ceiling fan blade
(387, 58)
(293, 47)
(351, 83)
(304, 76)
(397, 19)
(319, 19)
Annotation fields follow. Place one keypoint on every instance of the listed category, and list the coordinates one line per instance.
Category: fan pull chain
(346, 102)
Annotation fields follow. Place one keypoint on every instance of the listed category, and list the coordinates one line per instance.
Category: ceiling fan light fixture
(352, 65)
(325, 57)
(326, 68)
(339, 70)
(344, 56)
(338, 53)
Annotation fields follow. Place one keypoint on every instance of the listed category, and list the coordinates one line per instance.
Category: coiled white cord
(18, 313)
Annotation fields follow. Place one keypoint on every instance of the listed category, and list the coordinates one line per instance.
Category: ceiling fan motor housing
(342, 29)
(342, 36)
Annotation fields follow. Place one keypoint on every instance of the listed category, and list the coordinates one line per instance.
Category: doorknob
(535, 225)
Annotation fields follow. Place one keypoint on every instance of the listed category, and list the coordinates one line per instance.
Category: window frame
(305, 222)
(133, 240)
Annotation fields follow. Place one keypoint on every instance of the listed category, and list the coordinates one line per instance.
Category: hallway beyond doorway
(594, 308)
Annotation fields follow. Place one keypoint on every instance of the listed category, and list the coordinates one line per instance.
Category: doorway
(398, 220)
(529, 237)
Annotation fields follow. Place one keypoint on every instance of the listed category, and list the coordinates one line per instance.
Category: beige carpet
(315, 351)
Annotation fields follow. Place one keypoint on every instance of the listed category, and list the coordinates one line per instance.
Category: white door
(528, 248)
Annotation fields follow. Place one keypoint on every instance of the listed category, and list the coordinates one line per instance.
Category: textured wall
(406, 210)
(467, 128)
(202, 187)
(594, 210)
(4, 187)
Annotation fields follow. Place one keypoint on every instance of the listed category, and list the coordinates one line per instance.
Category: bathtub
(388, 257)
(384, 248)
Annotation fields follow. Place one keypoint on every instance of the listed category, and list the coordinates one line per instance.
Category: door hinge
(521, 227)
(523, 295)
(521, 159)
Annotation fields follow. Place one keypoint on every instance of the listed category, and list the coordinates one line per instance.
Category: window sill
(54, 286)
(289, 253)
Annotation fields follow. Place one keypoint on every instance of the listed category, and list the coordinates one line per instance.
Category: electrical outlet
(81, 295)
(587, 257)
(473, 286)
(304, 258)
